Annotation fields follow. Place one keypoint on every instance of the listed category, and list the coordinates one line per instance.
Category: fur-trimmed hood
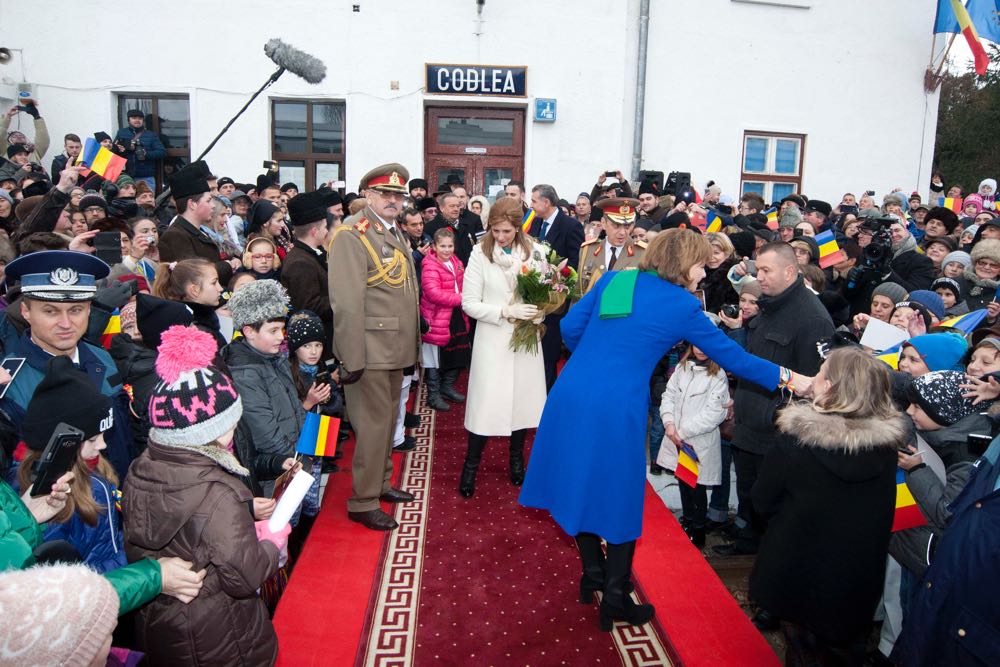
(838, 433)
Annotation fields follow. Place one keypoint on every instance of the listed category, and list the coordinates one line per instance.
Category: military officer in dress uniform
(616, 251)
(375, 299)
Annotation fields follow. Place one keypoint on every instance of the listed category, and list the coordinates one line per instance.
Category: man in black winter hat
(184, 238)
(303, 272)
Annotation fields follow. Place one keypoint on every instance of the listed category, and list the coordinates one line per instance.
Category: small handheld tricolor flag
(964, 323)
(114, 327)
(829, 251)
(713, 222)
(907, 513)
(318, 436)
(772, 218)
(954, 203)
(687, 465)
(101, 161)
(526, 221)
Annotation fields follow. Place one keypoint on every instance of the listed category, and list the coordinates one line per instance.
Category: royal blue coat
(588, 461)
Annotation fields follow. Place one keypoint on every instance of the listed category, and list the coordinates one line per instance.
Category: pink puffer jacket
(438, 297)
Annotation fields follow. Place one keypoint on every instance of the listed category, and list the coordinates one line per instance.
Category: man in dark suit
(564, 234)
(449, 215)
(184, 239)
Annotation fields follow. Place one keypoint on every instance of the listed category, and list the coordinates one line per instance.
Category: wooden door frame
(472, 163)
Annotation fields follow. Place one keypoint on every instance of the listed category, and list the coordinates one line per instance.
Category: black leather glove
(350, 377)
(31, 110)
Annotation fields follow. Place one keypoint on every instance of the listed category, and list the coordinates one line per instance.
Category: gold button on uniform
(928, 584)
(979, 506)
(961, 632)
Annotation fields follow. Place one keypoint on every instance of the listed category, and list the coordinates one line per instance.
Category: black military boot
(592, 557)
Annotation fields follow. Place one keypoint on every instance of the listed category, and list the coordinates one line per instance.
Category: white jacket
(695, 402)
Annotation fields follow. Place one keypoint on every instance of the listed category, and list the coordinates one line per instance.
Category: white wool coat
(695, 402)
(506, 389)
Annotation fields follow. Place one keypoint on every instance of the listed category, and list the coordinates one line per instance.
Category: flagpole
(944, 58)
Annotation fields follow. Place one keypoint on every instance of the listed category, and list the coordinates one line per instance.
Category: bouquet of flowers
(545, 281)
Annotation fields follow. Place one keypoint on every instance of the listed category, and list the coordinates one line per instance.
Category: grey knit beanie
(894, 291)
(959, 256)
(258, 302)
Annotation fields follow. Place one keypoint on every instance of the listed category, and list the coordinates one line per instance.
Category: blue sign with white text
(545, 110)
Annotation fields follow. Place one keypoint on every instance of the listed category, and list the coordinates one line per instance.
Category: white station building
(816, 96)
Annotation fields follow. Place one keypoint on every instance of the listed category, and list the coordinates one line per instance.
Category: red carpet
(704, 623)
(485, 581)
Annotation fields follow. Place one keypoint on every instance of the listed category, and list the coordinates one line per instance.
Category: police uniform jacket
(374, 295)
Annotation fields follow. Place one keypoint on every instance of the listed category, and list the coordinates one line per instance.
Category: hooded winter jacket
(830, 494)
(190, 503)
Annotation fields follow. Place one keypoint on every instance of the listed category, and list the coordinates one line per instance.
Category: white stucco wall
(846, 73)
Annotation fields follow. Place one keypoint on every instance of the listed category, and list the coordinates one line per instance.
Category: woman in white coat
(506, 389)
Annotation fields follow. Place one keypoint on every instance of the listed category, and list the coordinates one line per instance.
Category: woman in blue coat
(617, 333)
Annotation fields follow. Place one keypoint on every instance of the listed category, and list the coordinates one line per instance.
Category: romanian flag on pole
(772, 218)
(713, 222)
(114, 327)
(318, 436)
(953, 203)
(907, 513)
(526, 221)
(971, 36)
(964, 323)
(101, 161)
(829, 251)
(687, 465)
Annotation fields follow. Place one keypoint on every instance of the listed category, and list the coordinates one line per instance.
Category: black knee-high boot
(434, 400)
(592, 557)
(448, 391)
(517, 457)
(617, 604)
(473, 455)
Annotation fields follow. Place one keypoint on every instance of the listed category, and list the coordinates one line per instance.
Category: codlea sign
(477, 80)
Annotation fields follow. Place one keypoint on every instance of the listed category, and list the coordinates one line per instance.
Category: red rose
(566, 272)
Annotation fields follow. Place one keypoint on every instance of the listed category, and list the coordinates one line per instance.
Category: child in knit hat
(186, 497)
(91, 520)
(954, 264)
(56, 615)
(932, 352)
(951, 296)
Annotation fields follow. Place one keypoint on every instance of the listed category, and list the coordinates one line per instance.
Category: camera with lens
(876, 255)
(138, 149)
(731, 310)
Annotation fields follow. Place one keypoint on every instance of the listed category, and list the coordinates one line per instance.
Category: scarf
(308, 369)
(906, 245)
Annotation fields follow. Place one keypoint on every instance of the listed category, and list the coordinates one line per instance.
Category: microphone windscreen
(297, 62)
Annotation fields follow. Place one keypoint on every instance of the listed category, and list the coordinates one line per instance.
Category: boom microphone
(297, 62)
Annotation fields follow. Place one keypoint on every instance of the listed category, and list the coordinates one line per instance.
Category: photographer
(141, 148)
(37, 150)
(888, 253)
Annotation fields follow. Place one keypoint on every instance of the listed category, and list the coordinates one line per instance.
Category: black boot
(473, 455)
(297, 538)
(448, 378)
(617, 604)
(592, 556)
(696, 534)
(517, 457)
(434, 400)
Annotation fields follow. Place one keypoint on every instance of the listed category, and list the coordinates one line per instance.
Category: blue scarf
(308, 369)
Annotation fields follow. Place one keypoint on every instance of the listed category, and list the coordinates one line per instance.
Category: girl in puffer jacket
(692, 409)
(90, 521)
(441, 306)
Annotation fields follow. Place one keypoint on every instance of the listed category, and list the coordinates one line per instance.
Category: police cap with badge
(619, 210)
(57, 275)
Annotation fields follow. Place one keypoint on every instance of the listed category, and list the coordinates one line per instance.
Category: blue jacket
(98, 366)
(953, 618)
(154, 151)
(101, 546)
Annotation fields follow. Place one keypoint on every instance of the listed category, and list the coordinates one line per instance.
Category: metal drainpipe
(640, 89)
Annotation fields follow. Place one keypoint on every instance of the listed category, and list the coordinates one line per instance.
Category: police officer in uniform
(615, 250)
(375, 301)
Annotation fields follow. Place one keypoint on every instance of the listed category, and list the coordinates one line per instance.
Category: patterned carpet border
(390, 632)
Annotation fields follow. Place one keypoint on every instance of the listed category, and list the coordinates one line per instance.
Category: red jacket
(438, 297)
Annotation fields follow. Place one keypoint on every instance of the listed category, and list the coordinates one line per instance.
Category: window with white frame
(772, 164)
